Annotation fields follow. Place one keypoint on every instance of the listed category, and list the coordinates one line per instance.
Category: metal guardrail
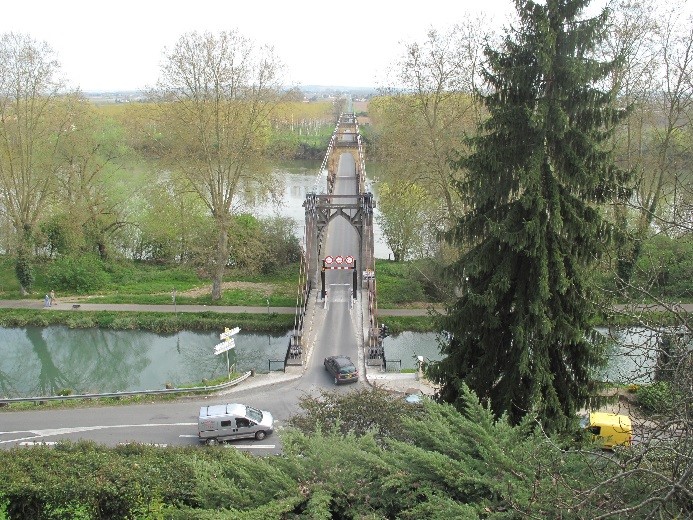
(389, 365)
(192, 390)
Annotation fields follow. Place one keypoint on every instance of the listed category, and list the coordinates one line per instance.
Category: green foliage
(80, 274)
(159, 322)
(84, 480)
(262, 246)
(8, 277)
(146, 283)
(61, 234)
(665, 267)
(24, 270)
(342, 460)
(359, 411)
(402, 217)
(431, 462)
(174, 225)
(656, 398)
(398, 324)
(284, 246)
(521, 331)
(396, 285)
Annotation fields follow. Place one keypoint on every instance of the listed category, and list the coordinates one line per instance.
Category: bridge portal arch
(357, 210)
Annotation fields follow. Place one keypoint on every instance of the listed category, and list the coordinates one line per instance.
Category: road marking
(39, 443)
(258, 446)
(154, 444)
(65, 431)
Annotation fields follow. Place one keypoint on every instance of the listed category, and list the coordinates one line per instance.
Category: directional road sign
(224, 346)
(229, 332)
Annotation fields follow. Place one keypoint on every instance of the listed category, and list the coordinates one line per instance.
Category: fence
(193, 390)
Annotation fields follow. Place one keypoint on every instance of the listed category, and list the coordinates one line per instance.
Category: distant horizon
(300, 87)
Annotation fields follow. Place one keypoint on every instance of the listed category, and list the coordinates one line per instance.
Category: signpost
(227, 344)
(328, 265)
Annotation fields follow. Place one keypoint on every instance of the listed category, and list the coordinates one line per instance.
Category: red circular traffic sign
(328, 259)
(339, 259)
(349, 259)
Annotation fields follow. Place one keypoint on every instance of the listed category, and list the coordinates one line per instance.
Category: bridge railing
(361, 163)
(294, 351)
(323, 166)
(346, 125)
(375, 353)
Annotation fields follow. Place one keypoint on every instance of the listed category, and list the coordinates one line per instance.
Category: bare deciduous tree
(85, 192)
(215, 95)
(32, 125)
(429, 109)
(656, 52)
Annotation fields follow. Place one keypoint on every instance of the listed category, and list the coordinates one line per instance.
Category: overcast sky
(118, 45)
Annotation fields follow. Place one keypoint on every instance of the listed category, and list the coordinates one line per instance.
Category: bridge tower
(320, 210)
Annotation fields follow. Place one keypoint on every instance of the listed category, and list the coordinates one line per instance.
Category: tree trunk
(221, 257)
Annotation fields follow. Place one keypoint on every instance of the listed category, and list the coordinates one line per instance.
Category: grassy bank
(142, 283)
(398, 324)
(159, 322)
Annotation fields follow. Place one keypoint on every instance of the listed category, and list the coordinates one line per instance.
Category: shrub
(666, 266)
(24, 271)
(655, 398)
(78, 274)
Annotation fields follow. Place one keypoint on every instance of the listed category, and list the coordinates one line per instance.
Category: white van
(225, 422)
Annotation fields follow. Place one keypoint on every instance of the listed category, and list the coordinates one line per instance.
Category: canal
(38, 361)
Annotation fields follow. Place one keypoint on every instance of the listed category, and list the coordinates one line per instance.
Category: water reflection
(38, 361)
(631, 353)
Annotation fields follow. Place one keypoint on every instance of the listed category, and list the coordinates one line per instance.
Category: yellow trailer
(609, 429)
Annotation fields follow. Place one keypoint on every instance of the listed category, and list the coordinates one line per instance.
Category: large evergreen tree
(520, 333)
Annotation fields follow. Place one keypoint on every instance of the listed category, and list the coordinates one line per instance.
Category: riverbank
(169, 318)
(67, 305)
(162, 318)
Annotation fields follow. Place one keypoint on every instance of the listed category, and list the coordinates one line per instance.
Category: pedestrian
(52, 297)
(47, 301)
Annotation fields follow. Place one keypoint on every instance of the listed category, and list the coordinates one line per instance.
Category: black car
(342, 368)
